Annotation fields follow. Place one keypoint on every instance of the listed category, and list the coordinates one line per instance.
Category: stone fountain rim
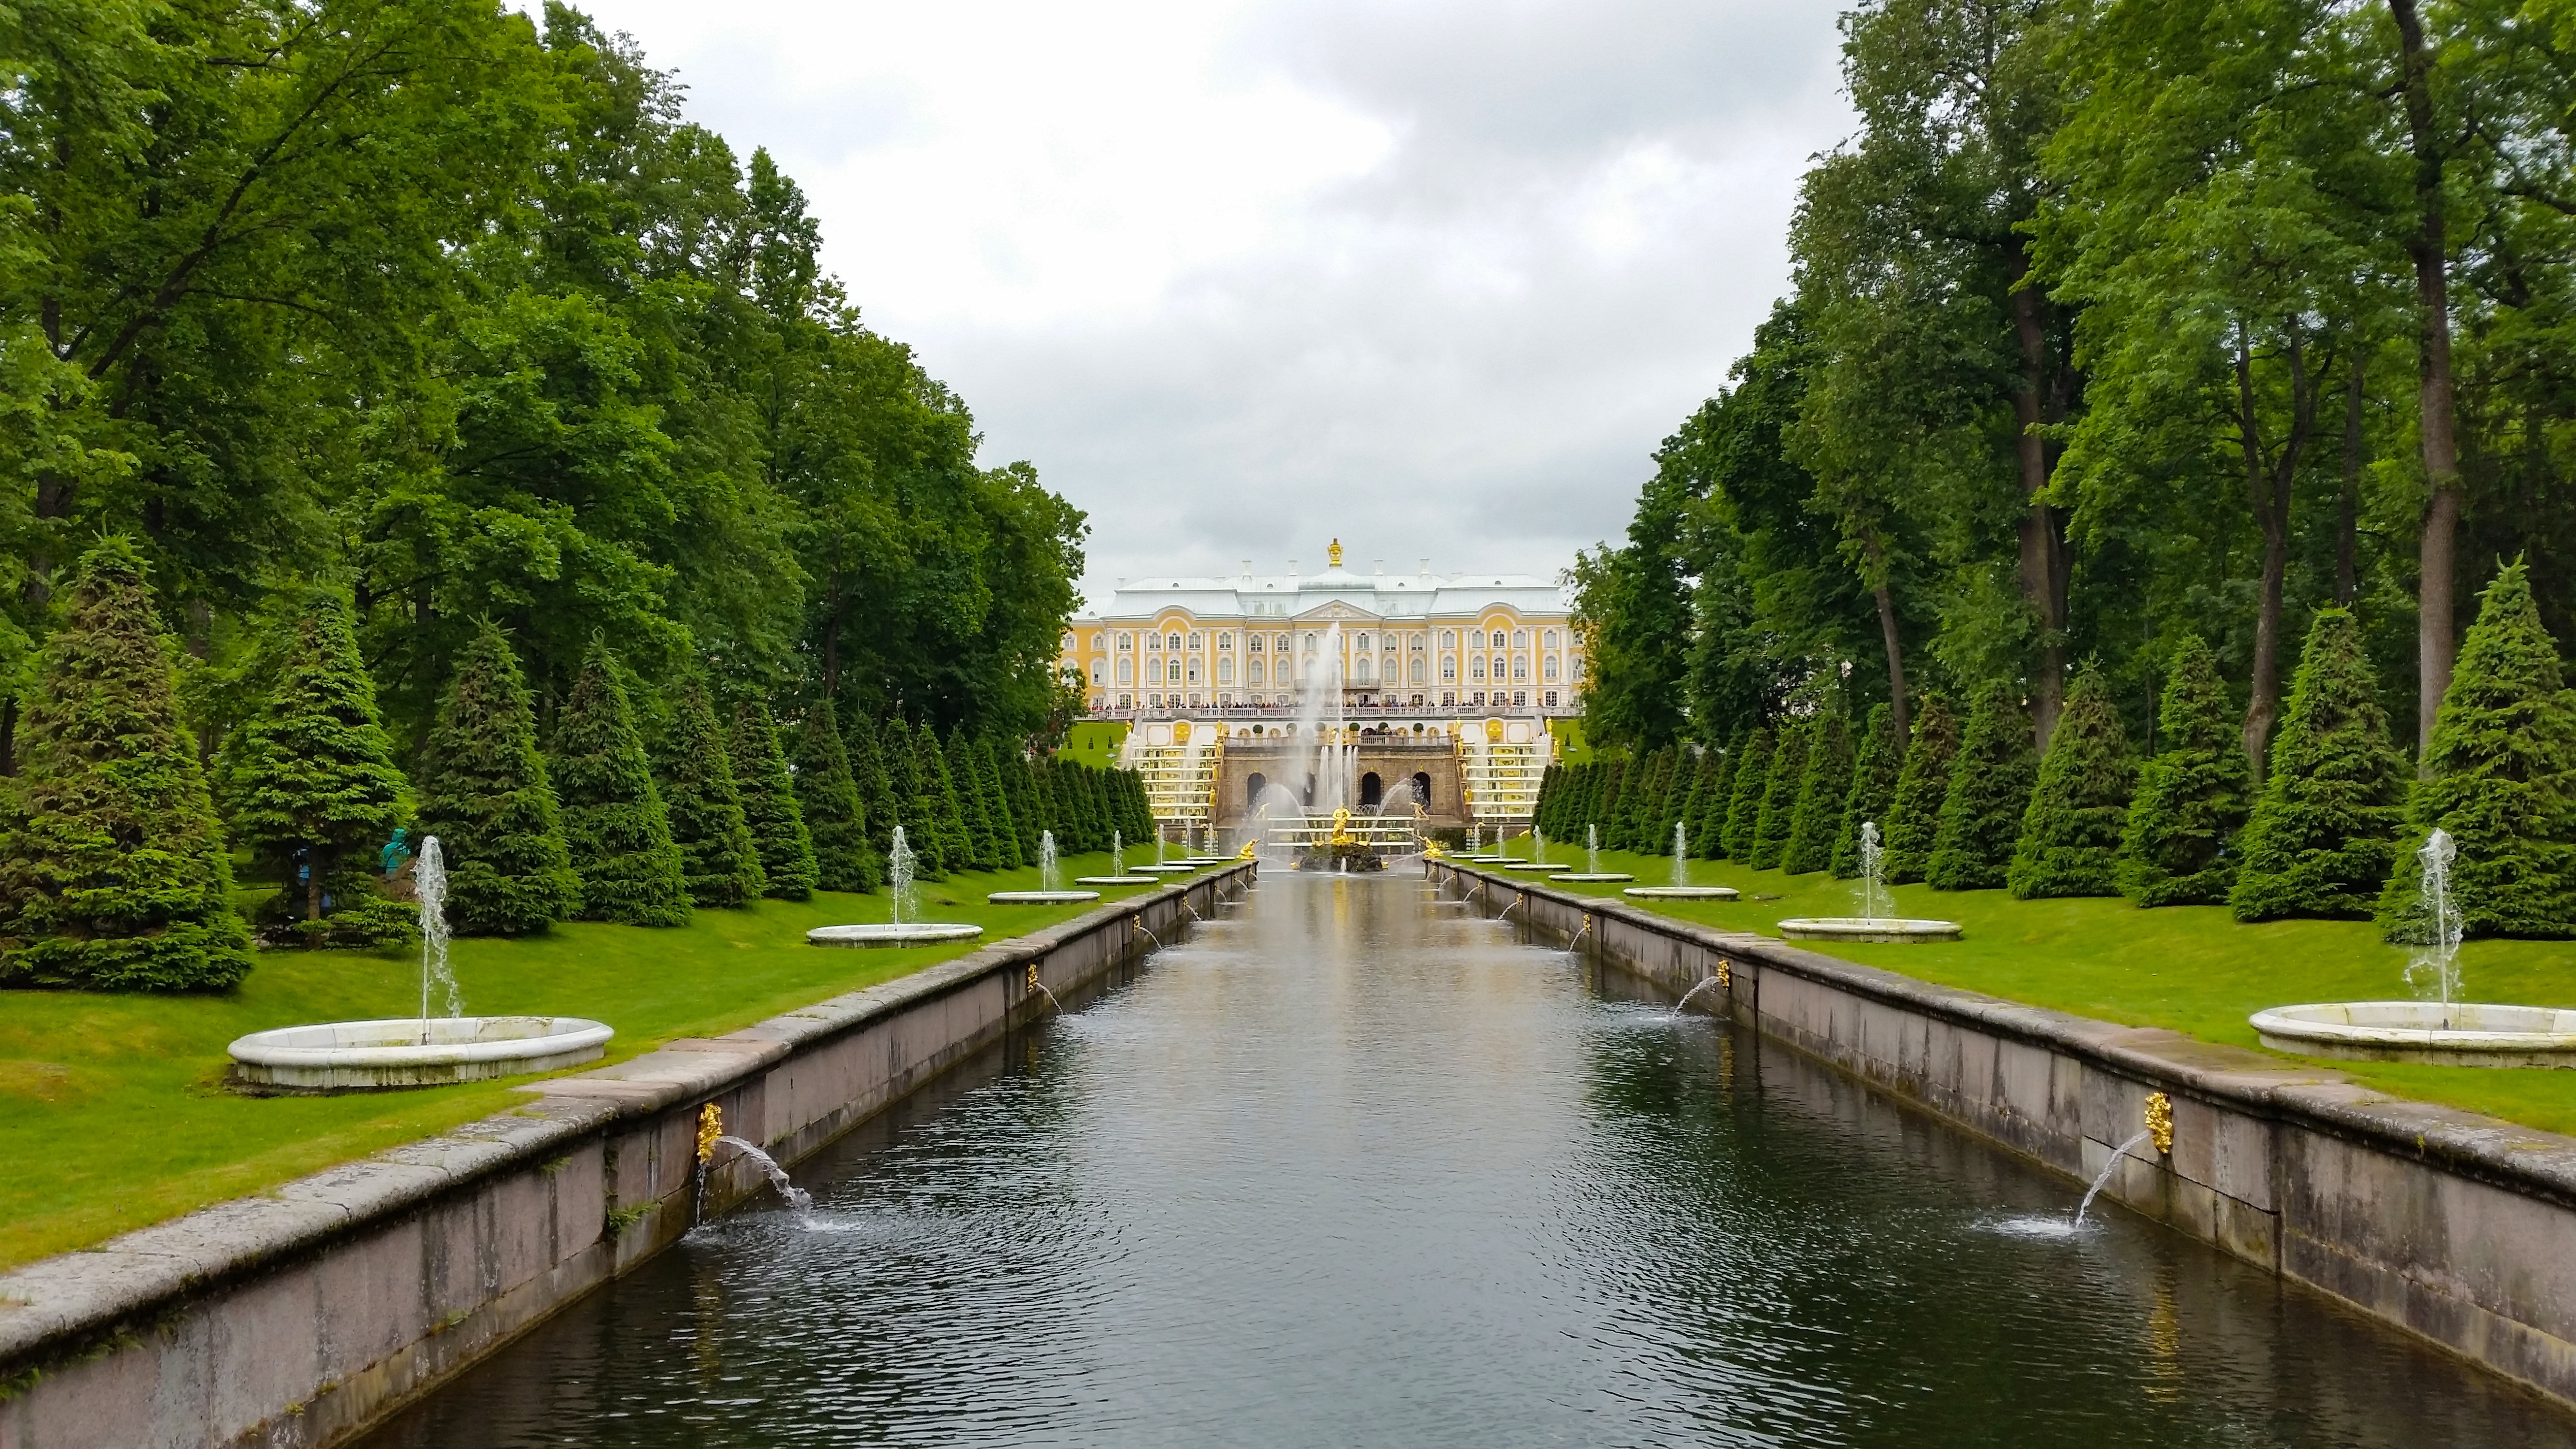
(1040, 898)
(919, 933)
(1118, 880)
(1684, 892)
(1869, 929)
(550, 1036)
(1593, 877)
(2288, 1024)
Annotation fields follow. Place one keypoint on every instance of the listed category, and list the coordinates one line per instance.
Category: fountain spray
(429, 883)
(2437, 961)
(899, 869)
(1050, 875)
(1592, 849)
(1117, 853)
(1875, 903)
(1681, 854)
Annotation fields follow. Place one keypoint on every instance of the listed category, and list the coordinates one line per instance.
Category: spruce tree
(2070, 830)
(769, 809)
(314, 786)
(1914, 821)
(1708, 826)
(1549, 779)
(947, 810)
(1990, 786)
(719, 859)
(1744, 801)
(974, 812)
(1605, 810)
(1780, 794)
(877, 798)
(1140, 806)
(1028, 809)
(1690, 784)
(2324, 827)
(2500, 777)
(997, 806)
(485, 794)
(615, 827)
(911, 812)
(1876, 762)
(113, 875)
(2179, 845)
(827, 794)
(1827, 783)
(1637, 817)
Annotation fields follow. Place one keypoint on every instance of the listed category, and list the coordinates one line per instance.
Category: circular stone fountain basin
(1533, 865)
(922, 933)
(1117, 880)
(1885, 931)
(1041, 898)
(2465, 1034)
(1586, 877)
(376, 1056)
(1200, 862)
(1682, 893)
(1161, 869)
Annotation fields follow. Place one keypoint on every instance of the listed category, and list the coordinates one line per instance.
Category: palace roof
(1287, 596)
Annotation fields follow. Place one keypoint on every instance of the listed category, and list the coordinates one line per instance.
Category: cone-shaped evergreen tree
(997, 806)
(2501, 779)
(1914, 821)
(1780, 794)
(877, 796)
(315, 789)
(768, 790)
(1821, 792)
(112, 872)
(614, 823)
(1877, 760)
(827, 794)
(1140, 806)
(903, 784)
(1027, 810)
(1053, 814)
(974, 812)
(1638, 805)
(1605, 811)
(485, 794)
(1690, 784)
(1542, 816)
(1990, 786)
(947, 810)
(719, 859)
(2070, 830)
(2178, 848)
(2324, 828)
(1708, 825)
(1744, 803)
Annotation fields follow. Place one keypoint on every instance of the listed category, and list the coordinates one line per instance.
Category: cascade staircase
(1501, 777)
(1180, 779)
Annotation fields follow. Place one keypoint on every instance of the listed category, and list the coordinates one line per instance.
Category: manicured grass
(2193, 969)
(113, 1113)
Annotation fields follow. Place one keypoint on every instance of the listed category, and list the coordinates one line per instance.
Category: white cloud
(1435, 277)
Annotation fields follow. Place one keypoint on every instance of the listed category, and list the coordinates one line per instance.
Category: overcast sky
(1239, 277)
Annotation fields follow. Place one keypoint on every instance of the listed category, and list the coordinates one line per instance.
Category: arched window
(1126, 672)
(1547, 667)
(1224, 669)
(1194, 671)
(1520, 666)
(1476, 667)
(1068, 642)
(1422, 786)
(1256, 643)
(1126, 641)
(1421, 671)
(1360, 643)
(1173, 643)
(1548, 640)
(1096, 668)
(1498, 638)
(1252, 672)
(1194, 639)
(1413, 642)
(1389, 670)
(1448, 668)
(1172, 671)
(1448, 638)
(1577, 668)
(1362, 673)
(1225, 641)
(1279, 645)
(1099, 642)
(1520, 638)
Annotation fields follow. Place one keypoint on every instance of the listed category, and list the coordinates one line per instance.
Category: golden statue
(1342, 828)
(1335, 553)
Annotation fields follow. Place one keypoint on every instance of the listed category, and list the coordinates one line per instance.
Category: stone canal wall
(2458, 1227)
(299, 1317)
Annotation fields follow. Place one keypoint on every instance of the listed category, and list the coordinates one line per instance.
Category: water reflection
(1341, 1169)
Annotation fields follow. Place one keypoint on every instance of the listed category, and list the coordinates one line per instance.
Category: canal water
(1349, 1167)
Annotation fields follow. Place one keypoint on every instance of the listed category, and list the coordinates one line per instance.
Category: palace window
(1194, 671)
(1172, 671)
(1389, 670)
(1099, 642)
(1310, 643)
(1575, 669)
(1174, 643)
(1096, 668)
(1498, 638)
(1126, 701)
(1360, 643)
(1548, 640)
(1126, 641)
(1547, 668)
(1126, 673)
(1520, 666)
(1414, 642)
(1224, 670)
(1194, 639)
(1520, 638)
(1520, 699)
(1279, 645)
(1551, 699)
(1256, 643)
(1068, 643)
(1225, 641)
(1362, 673)
(1478, 698)
(1421, 673)
(1449, 700)
(1448, 638)
(1449, 669)
(1252, 672)
(1476, 667)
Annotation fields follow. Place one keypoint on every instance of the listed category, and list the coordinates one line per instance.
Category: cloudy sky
(1431, 276)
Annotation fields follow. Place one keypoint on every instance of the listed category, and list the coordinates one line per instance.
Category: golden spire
(1337, 553)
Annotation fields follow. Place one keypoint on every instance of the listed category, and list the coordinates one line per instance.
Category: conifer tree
(2500, 777)
(1139, 804)
(2178, 848)
(2324, 827)
(1637, 814)
(1542, 817)
(113, 874)
(1028, 810)
(1058, 809)
(615, 826)
(1780, 794)
(1827, 783)
(1990, 786)
(2071, 827)
(315, 788)
(1098, 826)
(485, 794)
(1914, 821)
(997, 806)
(769, 809)
(1744, 802)
(903, 779)
(827, 794)
(1708, 826)
(719, 859)
(1605, 811)
(1877, 760)
(974, 812)
(1652, 830)
(877, 797)
(1682, 805)
(947, 808)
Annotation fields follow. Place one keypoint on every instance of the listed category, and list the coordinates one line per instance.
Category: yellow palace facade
(1405, 645)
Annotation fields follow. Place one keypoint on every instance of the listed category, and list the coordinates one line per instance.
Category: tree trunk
(832, 636)
(2264, 696)
(1895, 661)
(2043, 545)
(2435, 644)
(2348, 512)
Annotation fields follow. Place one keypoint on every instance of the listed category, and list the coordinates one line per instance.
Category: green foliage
(1990, 785)
(1822, 788)
(1028, 809)
(2323, 831)
(975, 812)
(614, 823)
(943, 813)
(313, 785)
(1913, 823)
(877, 797)
(721, 860)
(2500, 776)
(1717, 794)
(2070, 831)
(769, 810)
(990, 789)
(112, 871)
(1744, 804)
(1638, 805)
(2191, 798)
(485, 794)
(1876, 765)
(1779, 810)
(827, 795)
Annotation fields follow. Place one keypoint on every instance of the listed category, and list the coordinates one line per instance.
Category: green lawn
(2191, 968)
(113, 1113)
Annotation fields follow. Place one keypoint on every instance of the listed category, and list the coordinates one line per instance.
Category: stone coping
(2487, 1149)
(79, 1296)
